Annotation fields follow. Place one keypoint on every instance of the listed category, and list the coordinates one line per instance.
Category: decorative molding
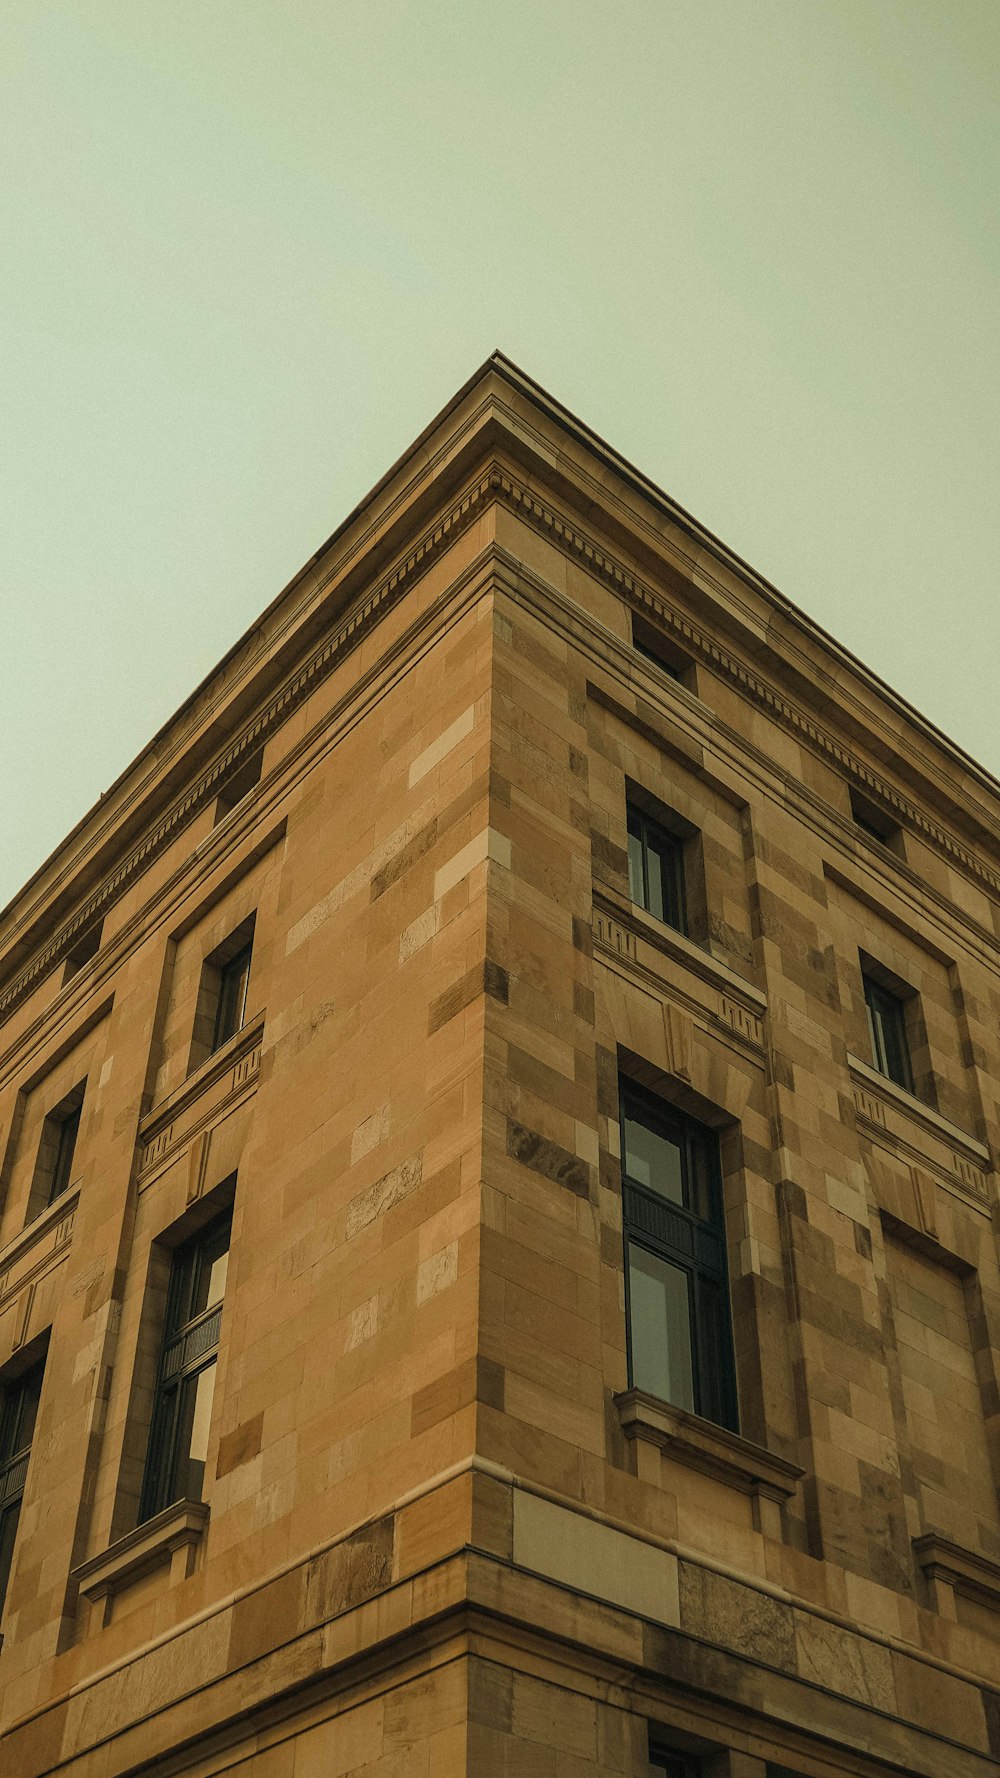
(694, 640)
(613, 936)
(893, 1114)
(282, 704)
(745, 1023)
(499, 484)
(738, 1007)
(39, 1247)
(950, 1569)
(22, 1315)
(712, 1450)
(172, 1536)
(183, 1117)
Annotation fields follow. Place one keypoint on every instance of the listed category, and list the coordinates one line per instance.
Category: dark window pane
(8, 1534)
(18, 1413)
(213, 1264)
(652, 1158)
(656, 869)
(666, 886)
(680, 1338)
(232, 997)
(651, 655)
(160, 1466)
(62, 1172)
(702, 1176)
(660, 1325)
(636, 884)
(178, 1442)
(192, 1435)
(887, 1030)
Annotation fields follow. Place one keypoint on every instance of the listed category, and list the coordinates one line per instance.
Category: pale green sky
(252, 246)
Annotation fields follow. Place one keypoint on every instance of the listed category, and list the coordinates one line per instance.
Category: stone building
(498, 1126)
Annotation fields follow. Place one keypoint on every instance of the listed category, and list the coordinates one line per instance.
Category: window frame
(886, 1010)
(234, 987)
(15, 1459)
(665, 1762)
(55, 1157)
(187, 1349)
(643, 827)
(66, 1141)
(678, 1236)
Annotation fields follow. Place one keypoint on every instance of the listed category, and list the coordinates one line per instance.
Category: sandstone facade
(432, 1522)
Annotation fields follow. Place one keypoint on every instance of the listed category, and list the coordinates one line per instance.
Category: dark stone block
(547, 1158)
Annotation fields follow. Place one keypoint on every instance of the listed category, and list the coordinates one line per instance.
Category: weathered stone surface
(430, 1544)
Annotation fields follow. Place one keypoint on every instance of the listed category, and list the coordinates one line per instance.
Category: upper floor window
(85, 948)
(182, 1410)
(655, 646)
(62, 1172)
(656, 868)
(222, 995)
(18, 1413)
(239, 785)
(663, 1764)
(234, 979)
(56, 1152)
(679, 1334)
(875, 823)
(887, 1030)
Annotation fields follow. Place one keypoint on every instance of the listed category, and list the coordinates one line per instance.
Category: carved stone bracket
(950, 1569)
(171, 1537)
(770, 1481)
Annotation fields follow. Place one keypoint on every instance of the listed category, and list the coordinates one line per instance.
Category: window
(65, 1150)
(679, 1337)
(85, 948)
(18, 1412)
(56, 1152)
(663, 1764)
(222, 994)
(654, 646)
(239, 785)
(874, 823)
(651, 654)
(887, 1030)
(182, 1411)
(656, 869)
(231, 1010)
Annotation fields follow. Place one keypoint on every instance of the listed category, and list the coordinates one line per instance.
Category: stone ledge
(714, 1451)
(36, 1230)
(950, 1569)
(681, 948)
(913, 1107)
(217, 1064)
(172, 1536)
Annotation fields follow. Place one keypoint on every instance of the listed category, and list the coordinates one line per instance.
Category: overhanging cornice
(465, 460)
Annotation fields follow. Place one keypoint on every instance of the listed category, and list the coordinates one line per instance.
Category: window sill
(36, 1230)
(678, 946)
(171, 1537)
(950, 1569)
(882, 1086)
(770, 1481)
(245, 1039)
